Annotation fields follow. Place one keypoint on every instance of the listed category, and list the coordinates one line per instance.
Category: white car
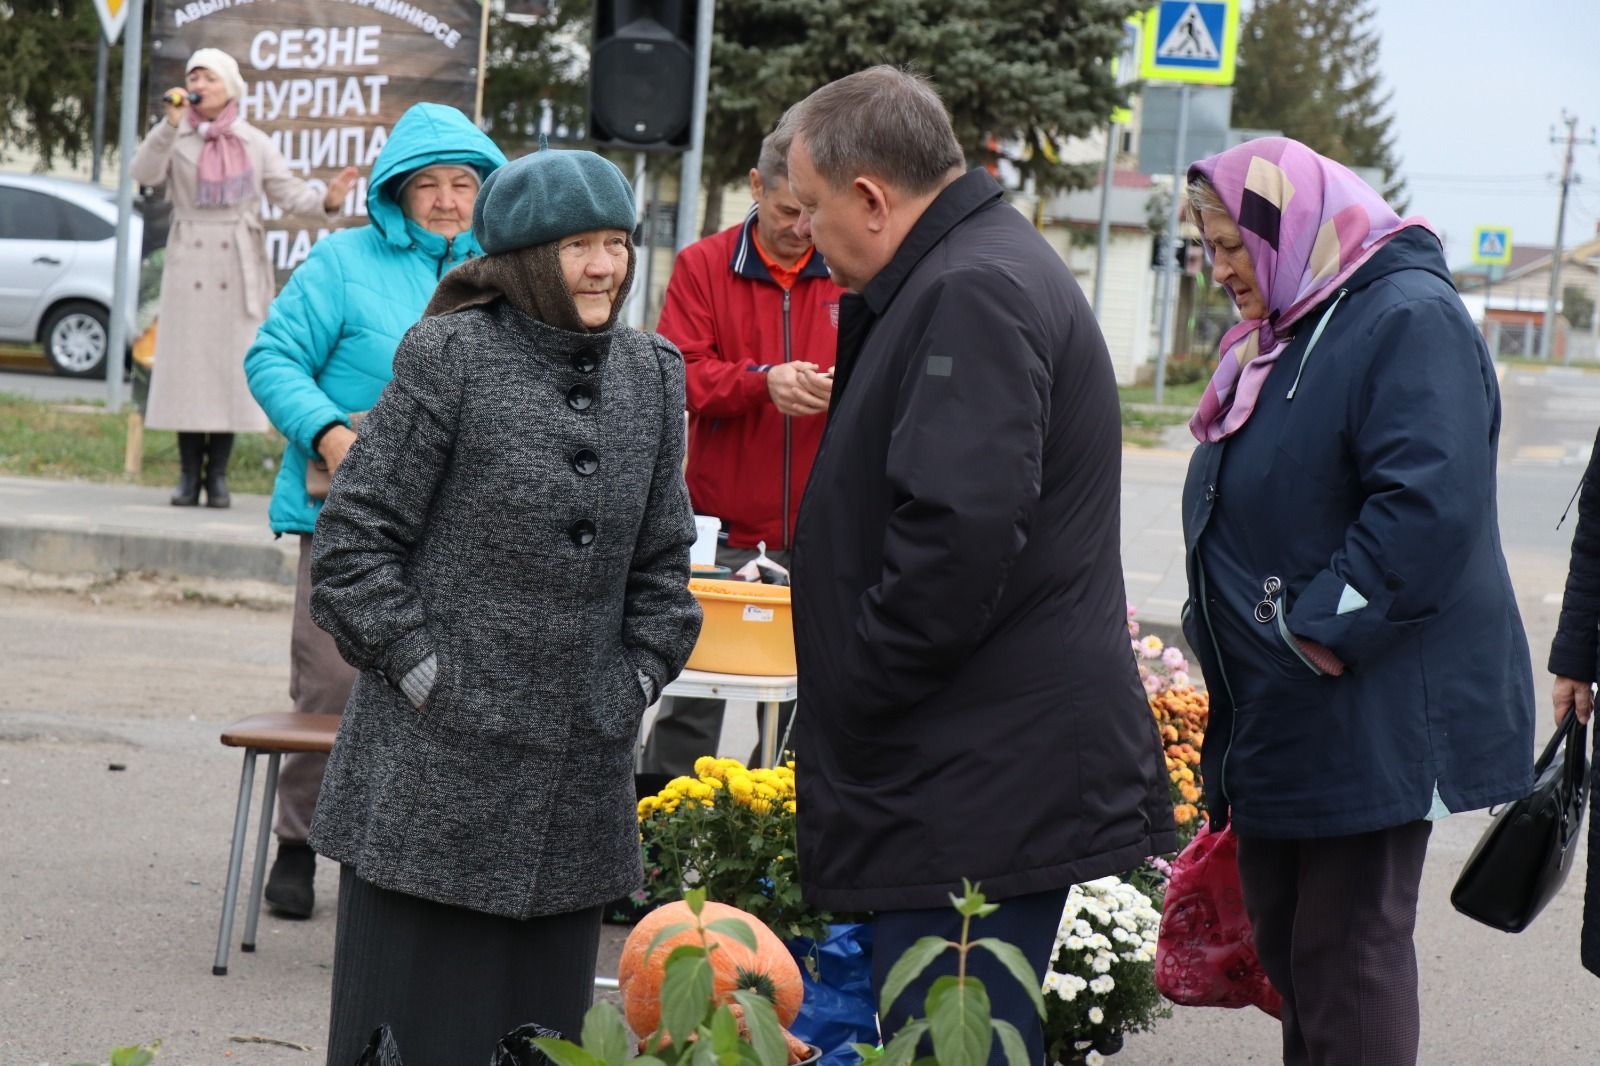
(57, 246)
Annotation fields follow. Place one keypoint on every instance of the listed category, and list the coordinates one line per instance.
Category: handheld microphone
(178, 98)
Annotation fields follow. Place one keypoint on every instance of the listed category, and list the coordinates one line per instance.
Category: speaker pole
(689, 178)
(634, 313)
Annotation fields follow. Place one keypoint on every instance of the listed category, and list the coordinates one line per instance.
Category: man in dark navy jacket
(969, 707)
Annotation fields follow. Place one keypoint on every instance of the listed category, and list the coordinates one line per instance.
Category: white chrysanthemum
(1096, 1015)
(1094, 1058)
(1102, 984)
(1082, 928)
(1101, 964)
(1074, 943)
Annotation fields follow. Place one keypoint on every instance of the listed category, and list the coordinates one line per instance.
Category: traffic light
(641, 74)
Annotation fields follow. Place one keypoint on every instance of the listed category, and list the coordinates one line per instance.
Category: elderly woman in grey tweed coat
(505, 557)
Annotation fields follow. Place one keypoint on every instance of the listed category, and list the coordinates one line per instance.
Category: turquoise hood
(426, 135)
(328, 343)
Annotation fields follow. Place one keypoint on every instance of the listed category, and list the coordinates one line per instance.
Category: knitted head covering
(222, 65)
(522, 212)
(548, 195)
(1307, 223)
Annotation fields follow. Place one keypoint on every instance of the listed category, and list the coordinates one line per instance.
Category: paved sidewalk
(81, 527)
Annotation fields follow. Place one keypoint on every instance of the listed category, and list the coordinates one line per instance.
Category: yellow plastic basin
(749, 628)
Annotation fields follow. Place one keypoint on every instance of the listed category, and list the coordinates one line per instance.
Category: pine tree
(1309, 68)
(1028, 72)
(47, 60)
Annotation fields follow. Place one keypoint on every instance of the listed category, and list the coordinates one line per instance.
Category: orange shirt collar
(784, 276)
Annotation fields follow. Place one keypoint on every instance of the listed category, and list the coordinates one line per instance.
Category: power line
(1492, 178)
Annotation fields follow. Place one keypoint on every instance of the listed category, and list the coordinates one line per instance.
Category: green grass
(42, 440)
(1186, 396)
(1541, 364)
(1145, 428)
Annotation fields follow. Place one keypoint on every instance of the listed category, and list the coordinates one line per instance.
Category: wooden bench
(273, 735)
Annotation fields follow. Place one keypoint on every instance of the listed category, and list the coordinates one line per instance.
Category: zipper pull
(1267, 609)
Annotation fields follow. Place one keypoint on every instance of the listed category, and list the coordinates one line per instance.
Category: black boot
(288, 888)
(218, 447)
(191, 449)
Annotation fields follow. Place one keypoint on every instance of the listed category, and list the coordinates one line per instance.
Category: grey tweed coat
(515, 505)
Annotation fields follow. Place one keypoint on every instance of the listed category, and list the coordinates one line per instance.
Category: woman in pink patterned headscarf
(217, 279)
(1349, 600)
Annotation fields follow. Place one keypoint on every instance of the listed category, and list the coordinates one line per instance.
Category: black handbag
(1527, 851)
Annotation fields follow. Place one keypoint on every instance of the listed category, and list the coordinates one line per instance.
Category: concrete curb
(63, 551)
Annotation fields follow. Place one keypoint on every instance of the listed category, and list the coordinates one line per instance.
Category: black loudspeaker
(641, 74)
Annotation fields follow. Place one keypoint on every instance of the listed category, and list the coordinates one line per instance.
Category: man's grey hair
(773, 162)
(883, 121)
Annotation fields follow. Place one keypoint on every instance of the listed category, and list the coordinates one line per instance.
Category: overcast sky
(1478, 84)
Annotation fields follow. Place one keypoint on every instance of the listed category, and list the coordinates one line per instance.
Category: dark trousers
(685, 729)
(1028, 922)
(319, 683)
(1333, 921)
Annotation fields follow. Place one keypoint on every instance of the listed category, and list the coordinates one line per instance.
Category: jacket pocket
(617, 702)
(1286, 638)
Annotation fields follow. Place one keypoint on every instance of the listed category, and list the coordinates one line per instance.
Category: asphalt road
(111, 879)
(25, 372)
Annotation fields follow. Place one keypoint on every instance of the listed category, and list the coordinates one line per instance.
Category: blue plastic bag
(838, 1009)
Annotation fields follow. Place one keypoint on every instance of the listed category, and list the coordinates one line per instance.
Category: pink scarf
(226, 176)
(1307, 223)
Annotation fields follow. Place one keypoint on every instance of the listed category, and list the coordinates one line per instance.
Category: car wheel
(76, 338)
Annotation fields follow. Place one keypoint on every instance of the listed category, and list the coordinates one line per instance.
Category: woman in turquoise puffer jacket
(324, 351)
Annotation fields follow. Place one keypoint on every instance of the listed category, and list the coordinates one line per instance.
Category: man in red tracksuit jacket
(757, 318)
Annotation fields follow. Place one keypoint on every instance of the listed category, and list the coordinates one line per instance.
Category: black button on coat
(457, 526)
(969, 705)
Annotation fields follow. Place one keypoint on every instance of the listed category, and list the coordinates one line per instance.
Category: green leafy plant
(1101, 981)
(730, 830)
(957, 1022)
(698, 1028)
(142, 1055)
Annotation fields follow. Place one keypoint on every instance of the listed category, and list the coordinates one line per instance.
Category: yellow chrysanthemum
(706, 766)
(789, 807)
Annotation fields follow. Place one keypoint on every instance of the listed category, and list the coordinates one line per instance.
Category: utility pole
(1547, 337)
(689, 175)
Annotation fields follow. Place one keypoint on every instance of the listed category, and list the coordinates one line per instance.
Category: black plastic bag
(516, 1048)
(381, 1050)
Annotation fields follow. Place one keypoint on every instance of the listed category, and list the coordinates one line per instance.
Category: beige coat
(217, 281)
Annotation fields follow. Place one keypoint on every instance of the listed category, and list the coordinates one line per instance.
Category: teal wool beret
(550, 194)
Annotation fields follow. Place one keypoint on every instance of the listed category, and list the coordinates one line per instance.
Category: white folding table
(767, 692)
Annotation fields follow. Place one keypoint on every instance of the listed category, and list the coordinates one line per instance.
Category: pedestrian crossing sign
(1190, 40)
(1491, 245)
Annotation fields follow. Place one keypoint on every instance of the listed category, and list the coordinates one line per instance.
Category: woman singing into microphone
(218, 280)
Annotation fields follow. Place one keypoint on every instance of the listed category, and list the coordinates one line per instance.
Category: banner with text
(326, 79)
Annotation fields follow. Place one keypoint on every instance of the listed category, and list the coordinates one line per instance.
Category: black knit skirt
(448, 981)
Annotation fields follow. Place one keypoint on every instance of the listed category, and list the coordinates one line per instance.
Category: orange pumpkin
(769, 970)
